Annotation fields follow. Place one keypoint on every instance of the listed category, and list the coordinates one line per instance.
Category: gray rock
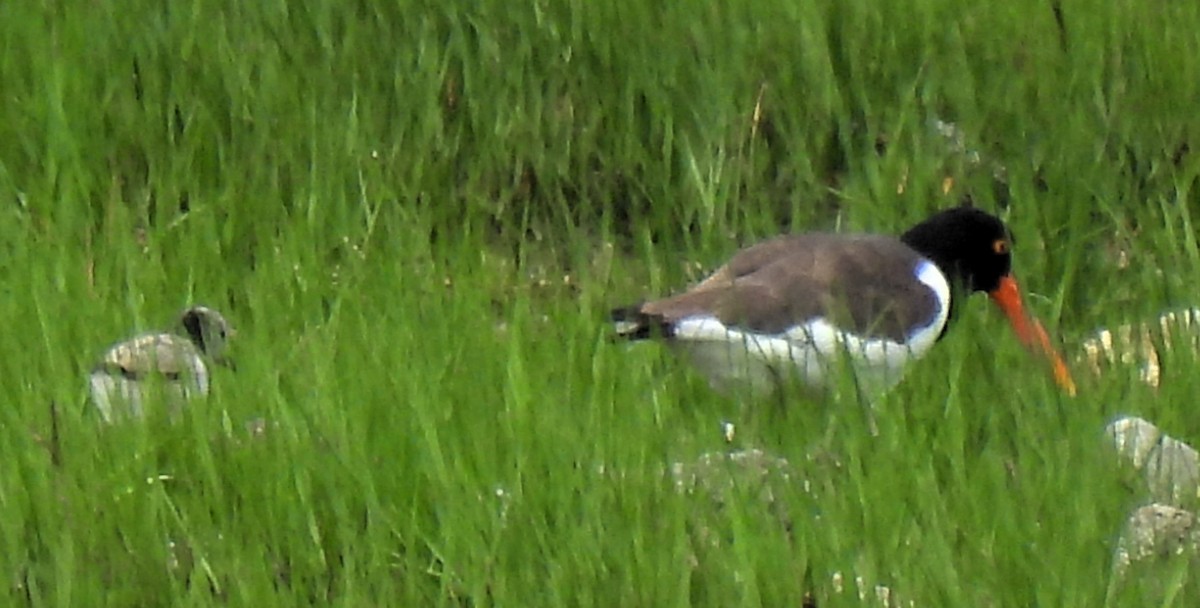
(1171, 468)
(1153, 534)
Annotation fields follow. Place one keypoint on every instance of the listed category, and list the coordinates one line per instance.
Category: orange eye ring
(1000, 246)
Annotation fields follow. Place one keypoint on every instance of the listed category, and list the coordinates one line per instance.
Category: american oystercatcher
(787, 307)
(173, 361)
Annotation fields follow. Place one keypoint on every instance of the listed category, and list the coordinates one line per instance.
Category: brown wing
(156, 353)
(861, 283)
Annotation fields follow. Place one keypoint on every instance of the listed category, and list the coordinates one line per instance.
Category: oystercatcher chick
(174, 362)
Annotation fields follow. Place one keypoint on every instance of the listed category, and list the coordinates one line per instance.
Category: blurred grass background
(417, 215)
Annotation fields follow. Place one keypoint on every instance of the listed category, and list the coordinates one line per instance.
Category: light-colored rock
(1171, 468)
(1152, 534)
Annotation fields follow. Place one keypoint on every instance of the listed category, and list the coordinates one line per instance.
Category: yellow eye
(1000, 246)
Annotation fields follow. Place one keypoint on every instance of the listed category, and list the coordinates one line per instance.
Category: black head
(193, 321)
(207, 329)
(970, 246)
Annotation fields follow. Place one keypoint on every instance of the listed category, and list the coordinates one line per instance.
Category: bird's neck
(958, 292)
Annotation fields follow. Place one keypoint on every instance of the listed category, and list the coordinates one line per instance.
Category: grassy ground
(417, 216)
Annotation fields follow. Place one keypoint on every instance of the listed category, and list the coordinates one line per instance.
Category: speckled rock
(1153, 535)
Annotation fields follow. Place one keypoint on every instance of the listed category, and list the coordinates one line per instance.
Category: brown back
(861, 283)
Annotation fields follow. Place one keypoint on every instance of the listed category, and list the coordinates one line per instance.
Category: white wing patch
(731, 356)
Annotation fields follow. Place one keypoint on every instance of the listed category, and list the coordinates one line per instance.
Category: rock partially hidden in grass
(1158, 532)
(1154, 534)
(1144, 344)
(754, 471)
(1171, 468)
(720, 478)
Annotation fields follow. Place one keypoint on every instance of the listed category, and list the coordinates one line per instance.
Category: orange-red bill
(1030, 331)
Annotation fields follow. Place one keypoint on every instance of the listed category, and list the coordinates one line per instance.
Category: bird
(787, 308)
(123, 381)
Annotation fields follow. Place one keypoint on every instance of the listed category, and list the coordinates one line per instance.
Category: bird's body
(789, 308)
(129, 371)
(167, 366)
(778, 309)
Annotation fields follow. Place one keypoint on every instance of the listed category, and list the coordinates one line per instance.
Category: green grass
(417, 217)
